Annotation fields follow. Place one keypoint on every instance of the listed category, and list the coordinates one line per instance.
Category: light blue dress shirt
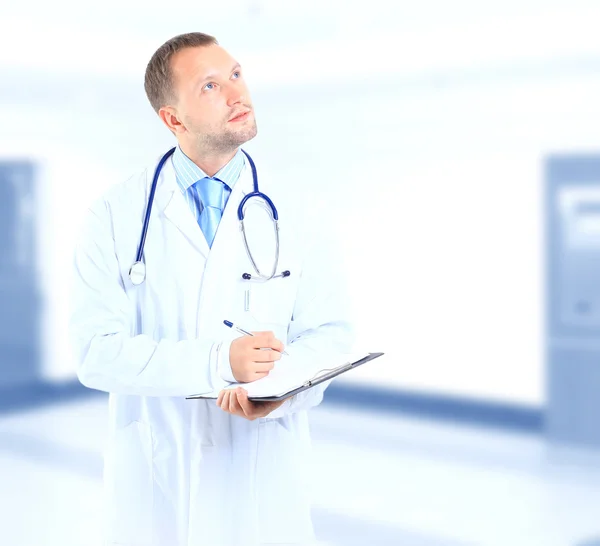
(188, 173)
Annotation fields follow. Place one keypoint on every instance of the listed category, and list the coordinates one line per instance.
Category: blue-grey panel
(573, 414)
(19, 285)
(573, 298)
(573, 246)
(17, 193)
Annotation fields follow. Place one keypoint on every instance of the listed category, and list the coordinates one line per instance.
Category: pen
(241, 331)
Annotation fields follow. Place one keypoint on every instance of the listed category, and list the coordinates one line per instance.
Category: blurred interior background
(457, 145)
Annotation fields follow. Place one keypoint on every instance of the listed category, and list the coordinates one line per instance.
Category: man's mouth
(241, 117)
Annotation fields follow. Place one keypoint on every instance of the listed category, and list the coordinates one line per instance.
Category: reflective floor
(379, 479)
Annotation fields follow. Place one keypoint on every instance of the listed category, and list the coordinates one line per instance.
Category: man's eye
(237, 75)
(209, 86)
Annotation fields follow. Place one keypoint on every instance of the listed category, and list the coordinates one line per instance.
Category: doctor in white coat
(198, 472)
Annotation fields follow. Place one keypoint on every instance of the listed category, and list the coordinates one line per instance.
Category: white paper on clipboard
(288, 375)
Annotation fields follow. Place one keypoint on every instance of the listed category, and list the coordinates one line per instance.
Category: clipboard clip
(324, 373)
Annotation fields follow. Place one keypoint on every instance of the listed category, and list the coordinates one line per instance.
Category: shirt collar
(188, 173)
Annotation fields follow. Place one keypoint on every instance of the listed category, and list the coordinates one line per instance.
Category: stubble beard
(226, 141)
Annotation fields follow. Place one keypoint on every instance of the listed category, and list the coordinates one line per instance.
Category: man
(181, 472)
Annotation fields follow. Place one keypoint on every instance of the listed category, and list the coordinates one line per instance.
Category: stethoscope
(137, 272)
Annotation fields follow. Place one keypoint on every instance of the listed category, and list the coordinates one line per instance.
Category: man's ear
(170, 118)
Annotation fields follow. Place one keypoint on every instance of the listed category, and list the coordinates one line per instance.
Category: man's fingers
(267, 347)
(265, 355)
(223, 403)
(245, 404)
(234, 406)
(228, 402)
(263, 366)
(235, 401)
(263, 339)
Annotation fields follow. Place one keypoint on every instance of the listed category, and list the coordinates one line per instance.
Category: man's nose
(235, 95)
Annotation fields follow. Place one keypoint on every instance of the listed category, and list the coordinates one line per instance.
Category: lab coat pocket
(129, 485)
(271, 302)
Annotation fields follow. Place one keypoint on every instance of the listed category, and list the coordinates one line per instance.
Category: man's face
(212, 101)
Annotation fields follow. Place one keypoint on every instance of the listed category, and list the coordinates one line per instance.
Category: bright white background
(426, 126)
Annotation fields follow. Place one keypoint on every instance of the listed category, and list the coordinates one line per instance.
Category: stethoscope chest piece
(137, 273)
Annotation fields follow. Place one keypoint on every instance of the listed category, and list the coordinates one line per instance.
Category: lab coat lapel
(170, 199)
(223, 264)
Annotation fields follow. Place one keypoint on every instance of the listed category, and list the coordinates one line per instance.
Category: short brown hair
(158, 81)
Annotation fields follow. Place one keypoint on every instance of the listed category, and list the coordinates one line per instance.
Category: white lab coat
(184, 472)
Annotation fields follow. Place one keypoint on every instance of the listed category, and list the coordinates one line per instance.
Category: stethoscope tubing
(139, 266)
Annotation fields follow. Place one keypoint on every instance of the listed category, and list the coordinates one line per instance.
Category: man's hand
(235, 401)
(248, 361)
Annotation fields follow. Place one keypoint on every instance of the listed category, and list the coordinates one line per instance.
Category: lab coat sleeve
(224, 364)
(321, 322)
(107, 353)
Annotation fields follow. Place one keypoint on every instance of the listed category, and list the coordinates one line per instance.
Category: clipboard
(319, 377)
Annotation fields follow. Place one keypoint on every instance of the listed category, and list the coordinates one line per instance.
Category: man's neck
(210, 163)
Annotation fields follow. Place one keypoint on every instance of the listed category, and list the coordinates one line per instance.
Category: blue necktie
(211, 192)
